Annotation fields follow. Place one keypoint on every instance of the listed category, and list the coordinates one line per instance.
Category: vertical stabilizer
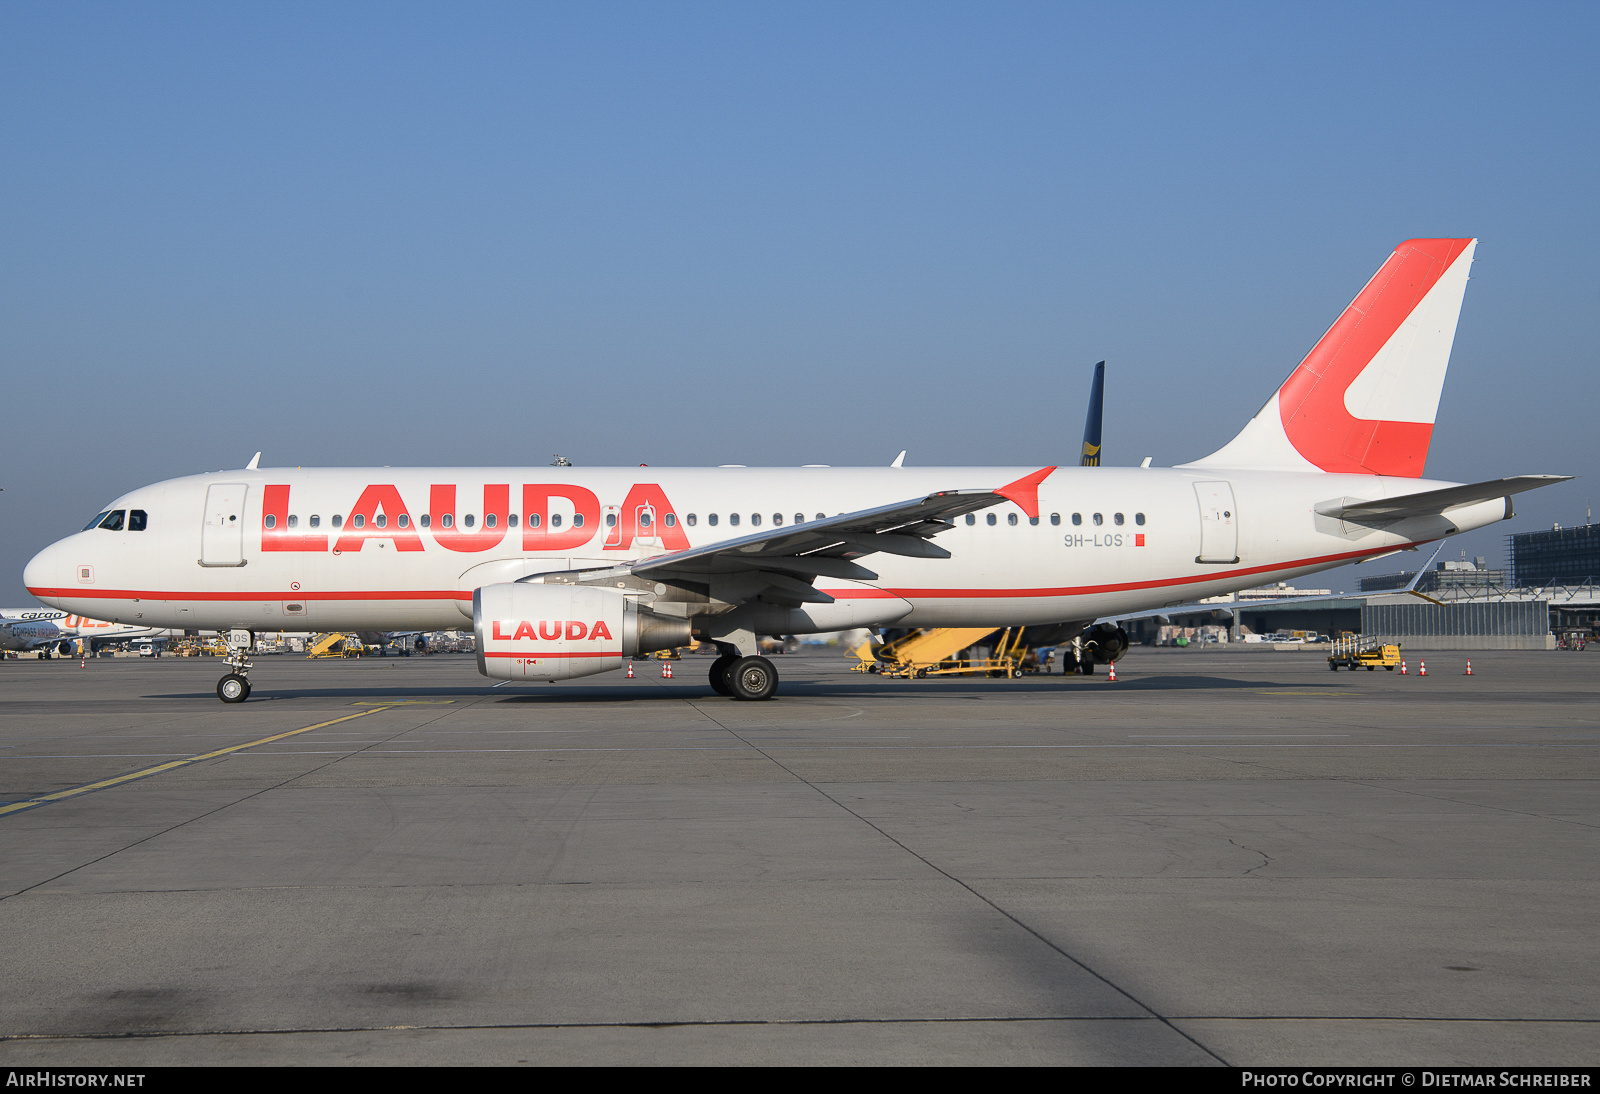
(1096, 416)
(1364, 399)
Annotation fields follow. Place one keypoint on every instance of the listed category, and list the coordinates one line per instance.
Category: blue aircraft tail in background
(1091, 424)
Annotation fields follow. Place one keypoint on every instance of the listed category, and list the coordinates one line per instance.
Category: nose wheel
(233, 688)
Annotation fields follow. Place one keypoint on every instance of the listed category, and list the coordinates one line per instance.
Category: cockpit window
(138, 519)
(113, 521)
(95, 523)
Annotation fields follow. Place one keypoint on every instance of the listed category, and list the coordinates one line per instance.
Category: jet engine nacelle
(558, 632)
(1106, 642)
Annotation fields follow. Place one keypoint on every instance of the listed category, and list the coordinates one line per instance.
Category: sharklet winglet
(1025, 491)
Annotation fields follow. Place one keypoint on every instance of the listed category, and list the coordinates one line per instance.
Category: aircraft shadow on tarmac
(811, 689)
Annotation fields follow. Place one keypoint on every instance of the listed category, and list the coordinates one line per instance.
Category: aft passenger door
(1219, 526)
(222, 533)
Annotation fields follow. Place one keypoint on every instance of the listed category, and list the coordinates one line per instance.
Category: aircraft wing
(789, 558)
(1435, 502)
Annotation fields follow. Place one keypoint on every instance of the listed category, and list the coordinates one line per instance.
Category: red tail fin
(1364, 399)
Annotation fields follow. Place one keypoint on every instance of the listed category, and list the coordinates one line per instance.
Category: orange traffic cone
(1402, 666)
(630, 669)
(1469, 668)
(1112, 677)
(1423, 671)
(666, 670)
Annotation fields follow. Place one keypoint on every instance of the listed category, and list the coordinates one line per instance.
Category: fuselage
(403, 549)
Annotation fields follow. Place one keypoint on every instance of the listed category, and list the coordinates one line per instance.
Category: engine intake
(558, 632)
(1106, 642)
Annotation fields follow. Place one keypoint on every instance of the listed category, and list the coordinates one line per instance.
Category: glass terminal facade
(1472, 577)
(1565, 556)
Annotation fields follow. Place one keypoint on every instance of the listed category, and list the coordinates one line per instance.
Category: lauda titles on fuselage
(565, 572)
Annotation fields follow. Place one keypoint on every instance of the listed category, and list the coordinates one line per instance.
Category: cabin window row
(491, 520)
(1117, 519)
(446, 520)
(713, 519)
(137, 521)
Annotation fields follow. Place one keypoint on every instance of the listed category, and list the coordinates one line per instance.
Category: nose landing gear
(235, 687)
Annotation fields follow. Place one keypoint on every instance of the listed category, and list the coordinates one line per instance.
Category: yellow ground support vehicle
(194, 647)
(335, 645)
(930, 652)
(1358, 652)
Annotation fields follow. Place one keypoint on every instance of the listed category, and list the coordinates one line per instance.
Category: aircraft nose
(49, 574)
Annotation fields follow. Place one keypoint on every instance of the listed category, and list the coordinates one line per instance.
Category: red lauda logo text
(550, 630)
(455, 524)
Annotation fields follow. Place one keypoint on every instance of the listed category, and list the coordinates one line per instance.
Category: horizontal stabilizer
(1435, 502)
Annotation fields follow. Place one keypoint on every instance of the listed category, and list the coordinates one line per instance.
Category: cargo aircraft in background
(43, 631)
(566, 572)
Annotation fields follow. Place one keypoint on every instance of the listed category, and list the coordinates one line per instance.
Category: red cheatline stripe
(1085, 590)
(79, 593)
(535, 655)
(840, 594)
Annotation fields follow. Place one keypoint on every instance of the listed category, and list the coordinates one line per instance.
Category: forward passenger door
(222, 533)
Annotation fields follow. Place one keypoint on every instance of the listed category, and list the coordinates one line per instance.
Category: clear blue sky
(765, 233)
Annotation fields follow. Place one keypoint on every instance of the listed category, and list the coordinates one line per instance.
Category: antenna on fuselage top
(1092, 423)
(254, 460)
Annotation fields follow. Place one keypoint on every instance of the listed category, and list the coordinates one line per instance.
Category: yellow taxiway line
(62, 795)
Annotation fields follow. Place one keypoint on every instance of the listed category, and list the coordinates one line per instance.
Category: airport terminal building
(1549, 595)
(1474, 577)
(1560, 556)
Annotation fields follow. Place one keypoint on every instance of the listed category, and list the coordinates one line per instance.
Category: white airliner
(565, 572)
(42, 630)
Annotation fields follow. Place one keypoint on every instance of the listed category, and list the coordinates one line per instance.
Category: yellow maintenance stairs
(335, 645)
(930, 652)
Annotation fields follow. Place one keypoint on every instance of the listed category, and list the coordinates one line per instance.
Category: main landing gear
(719, 673)
(747, 678)
(235, 687)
